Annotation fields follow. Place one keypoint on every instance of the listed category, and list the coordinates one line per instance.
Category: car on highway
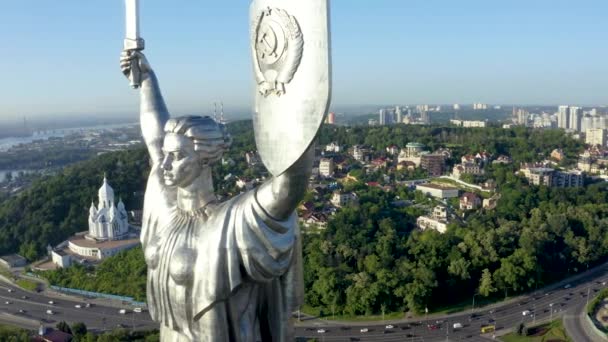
(24, 297)
(122, 311)
(50, 312)
(51, 302)
(364, 330)
(21, 311)
(78, 306)
(567, 286)
(137, 310)
(433, 326)
(7, 302)
(390, 326)
(10, 290)
(88, 305)
(457, 326)
(321, 331)
(526, 312)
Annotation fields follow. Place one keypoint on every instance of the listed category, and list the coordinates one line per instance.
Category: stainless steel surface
(133, 42)
(228, 271)
(291, 62)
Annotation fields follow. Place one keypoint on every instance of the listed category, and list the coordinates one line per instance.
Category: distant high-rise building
(575, 119)
(331, 118)
(595, 137)
(382, 117)
(563, 117)
(456, 106)
(425, 118)
(522, 117)
(603, 122)
(587, 123)
(398, 115)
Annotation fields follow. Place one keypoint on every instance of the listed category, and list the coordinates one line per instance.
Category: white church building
(108, 233)
(107, 221)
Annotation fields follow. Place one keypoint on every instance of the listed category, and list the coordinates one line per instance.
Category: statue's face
(181, 165)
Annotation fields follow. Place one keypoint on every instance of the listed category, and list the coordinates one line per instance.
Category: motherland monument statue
(232, 271)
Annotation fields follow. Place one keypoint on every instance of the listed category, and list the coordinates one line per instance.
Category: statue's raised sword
(133, 42)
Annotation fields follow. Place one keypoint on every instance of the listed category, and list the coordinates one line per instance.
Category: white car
(10, 290)
(7, 302)
(364, 330)
(78, 306)
(137, 310)
(51, 302)
(457, 325)
(50, 312)
(390, 326)
(526, 312)
(87, 305)
(321, 331)
(21, 311)
(122, 311)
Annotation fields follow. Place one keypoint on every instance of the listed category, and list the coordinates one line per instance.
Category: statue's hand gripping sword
(132, 40)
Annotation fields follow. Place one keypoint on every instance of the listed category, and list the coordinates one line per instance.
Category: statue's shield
(291, 61)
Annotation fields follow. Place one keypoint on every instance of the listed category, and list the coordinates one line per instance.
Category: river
(7, 143)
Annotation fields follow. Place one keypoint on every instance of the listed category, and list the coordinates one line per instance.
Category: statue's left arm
(280, 196)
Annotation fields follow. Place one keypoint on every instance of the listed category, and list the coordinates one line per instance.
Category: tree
(460, 268)
(485, 283)
(520, 329)
(79, 329)
(63, 326)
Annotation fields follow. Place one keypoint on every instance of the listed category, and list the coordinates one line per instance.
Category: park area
(549, 332)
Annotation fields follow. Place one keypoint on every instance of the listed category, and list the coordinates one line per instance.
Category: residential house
(469, 201)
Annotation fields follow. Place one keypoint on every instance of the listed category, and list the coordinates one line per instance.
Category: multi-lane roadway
(28, 309)
(565, 299)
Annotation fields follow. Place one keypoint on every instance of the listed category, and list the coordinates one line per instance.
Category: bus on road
(488, 329)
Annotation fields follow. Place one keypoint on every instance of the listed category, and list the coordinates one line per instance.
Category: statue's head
(191, 143)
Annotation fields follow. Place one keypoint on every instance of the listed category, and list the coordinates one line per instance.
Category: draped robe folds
(234, 274)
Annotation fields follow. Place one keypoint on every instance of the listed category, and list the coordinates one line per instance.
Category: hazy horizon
(63, 58)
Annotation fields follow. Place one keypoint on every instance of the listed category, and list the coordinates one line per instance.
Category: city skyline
(63, 58)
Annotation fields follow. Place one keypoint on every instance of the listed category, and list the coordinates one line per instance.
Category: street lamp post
(551, 310)
(473, 304)
(588, 293)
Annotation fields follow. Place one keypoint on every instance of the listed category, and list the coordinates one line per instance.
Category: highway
(26, 309)
(29, 309)
(565, 299)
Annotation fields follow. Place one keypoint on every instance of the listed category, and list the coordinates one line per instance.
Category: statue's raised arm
(153, 111)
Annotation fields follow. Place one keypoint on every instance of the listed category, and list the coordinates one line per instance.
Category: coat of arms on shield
(291, 64)
(278, 45)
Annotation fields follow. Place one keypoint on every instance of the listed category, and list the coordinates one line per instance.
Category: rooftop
(436, 186)
(82, 242)
(12, 258)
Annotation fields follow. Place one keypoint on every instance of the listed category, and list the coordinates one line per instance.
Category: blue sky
(61, 57)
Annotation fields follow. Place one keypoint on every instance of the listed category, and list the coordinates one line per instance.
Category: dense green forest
(122, 274)
(56, 207)
(80, 333)
(370, 257)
